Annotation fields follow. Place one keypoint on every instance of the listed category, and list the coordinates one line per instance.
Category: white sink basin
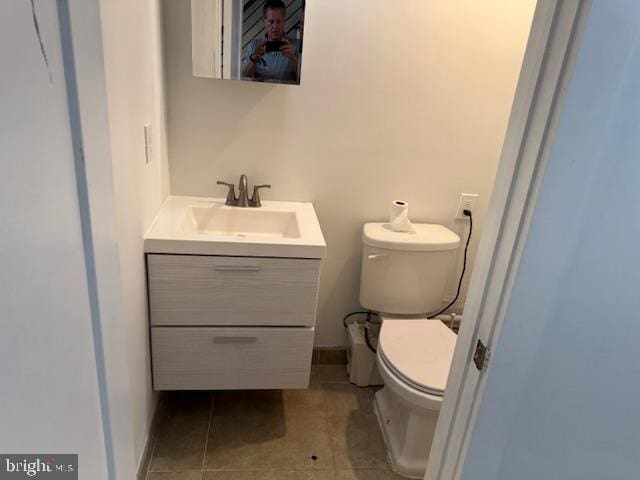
(206, 226)
(241, 222)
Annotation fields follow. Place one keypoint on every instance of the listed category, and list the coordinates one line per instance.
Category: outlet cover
(467, 202)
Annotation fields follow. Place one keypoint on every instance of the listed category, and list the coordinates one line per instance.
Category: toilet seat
(418, 352)
(407, 381)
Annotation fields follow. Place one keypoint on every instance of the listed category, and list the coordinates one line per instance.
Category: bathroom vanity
(232, 294)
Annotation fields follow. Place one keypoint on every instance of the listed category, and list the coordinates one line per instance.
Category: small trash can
(361, 365)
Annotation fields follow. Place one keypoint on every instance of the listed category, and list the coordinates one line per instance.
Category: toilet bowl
(414, 356)
(405, 275)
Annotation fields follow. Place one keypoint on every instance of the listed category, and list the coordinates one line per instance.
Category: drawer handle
(235, 339)
(238, 268)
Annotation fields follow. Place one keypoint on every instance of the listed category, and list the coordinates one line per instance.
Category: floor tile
(273, 434)
(182, 434)
(175, 476)
(329, 373)
(357, 442)
(343, 398)
(332, 356)
(226, 475)
(355, 436)
(368, 474)
(272, 475)
(293, 441)
(260, 403)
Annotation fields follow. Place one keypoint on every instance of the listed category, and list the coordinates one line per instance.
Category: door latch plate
(481, 355)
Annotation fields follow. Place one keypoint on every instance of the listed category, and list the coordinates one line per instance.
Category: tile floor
(326, 432)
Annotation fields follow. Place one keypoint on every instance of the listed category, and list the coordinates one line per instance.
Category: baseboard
(147, 451)
(329, 356)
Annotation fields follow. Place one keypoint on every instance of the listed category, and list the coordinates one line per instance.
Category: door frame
(548, 62)
(547, 66)
(82, 51)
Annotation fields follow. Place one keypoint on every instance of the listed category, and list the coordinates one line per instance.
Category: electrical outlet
(467, 202)
(148, 143)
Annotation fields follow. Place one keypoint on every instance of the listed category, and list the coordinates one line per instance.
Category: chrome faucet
(243, 200)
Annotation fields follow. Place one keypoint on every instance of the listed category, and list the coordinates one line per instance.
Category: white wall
(50, 401)
(401, 100)
(131, 36)
(563, 391)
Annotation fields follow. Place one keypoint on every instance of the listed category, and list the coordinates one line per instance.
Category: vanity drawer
(216, 290)
(195, 358)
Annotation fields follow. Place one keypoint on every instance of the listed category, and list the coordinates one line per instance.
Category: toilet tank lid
(427, 237)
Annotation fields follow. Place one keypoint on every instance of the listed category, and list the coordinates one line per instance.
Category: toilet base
(407, 431)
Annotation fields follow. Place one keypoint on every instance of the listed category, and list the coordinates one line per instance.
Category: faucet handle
(231, 194)
(255, 199)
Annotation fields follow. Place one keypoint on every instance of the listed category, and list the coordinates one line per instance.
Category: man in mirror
(274, 57)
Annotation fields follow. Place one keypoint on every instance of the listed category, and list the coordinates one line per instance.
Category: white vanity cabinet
(233, 293)
(222, 322)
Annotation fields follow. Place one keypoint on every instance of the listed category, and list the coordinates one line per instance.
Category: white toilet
(404, 275)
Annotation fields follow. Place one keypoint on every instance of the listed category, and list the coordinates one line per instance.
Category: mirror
(253, 40)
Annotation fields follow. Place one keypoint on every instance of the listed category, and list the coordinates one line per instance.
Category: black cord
(344, 320)
(467, 213)
(369, 314)
(366, 338)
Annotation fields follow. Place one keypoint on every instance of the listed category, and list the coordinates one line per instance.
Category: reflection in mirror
(254, 40)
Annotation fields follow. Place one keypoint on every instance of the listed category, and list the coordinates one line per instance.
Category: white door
(559, 396)
(61, 359)
(50, 399)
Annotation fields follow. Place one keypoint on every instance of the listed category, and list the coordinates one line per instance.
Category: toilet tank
(406, 273)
